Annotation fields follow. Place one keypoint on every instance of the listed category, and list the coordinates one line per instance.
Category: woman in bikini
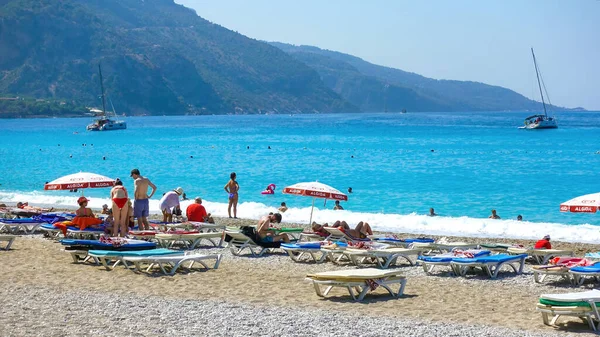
(120, 209)
(84, 217)
(232, 189)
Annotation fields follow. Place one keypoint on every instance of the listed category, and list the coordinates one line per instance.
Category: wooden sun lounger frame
(358, 289)
(491, 268)
(172, 262)
(9, 239)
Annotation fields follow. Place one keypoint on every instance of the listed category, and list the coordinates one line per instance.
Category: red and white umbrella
(315, 190)
(589, 203)
(80, 180)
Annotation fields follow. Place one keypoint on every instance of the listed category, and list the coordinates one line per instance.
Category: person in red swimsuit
(120, 209)
(543, 243)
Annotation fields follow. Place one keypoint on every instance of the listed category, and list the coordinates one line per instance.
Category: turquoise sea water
(462, 164)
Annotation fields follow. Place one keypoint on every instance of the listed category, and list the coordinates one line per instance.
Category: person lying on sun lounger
(266, 234)
(360, 231)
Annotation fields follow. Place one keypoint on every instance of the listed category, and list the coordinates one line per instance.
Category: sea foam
(388, 222)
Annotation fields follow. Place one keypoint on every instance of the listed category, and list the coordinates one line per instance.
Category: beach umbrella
(80, 180)
(315, 190)
(589, 203)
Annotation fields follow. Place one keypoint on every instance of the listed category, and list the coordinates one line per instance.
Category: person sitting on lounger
(84, 216)
(196, 212)
(83, 211)
(266, 233)
(360, 231)
(543, 243)
(318, 229)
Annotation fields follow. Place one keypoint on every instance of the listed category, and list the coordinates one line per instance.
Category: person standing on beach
(169, 203)
(232, 189)
(141, 204)
(120, 209)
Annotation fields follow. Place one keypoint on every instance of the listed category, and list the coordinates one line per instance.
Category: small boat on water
(102, 121)
(537, 122)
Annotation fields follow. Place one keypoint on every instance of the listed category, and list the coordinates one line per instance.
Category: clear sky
(478, 40)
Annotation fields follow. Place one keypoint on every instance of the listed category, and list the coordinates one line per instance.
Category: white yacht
(536, 122)
(102, 121)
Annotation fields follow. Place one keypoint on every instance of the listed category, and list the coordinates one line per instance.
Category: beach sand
(40, 280)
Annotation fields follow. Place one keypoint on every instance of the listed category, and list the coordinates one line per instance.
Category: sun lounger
(297, 251)
(384, 258)
(238, 242)
(358, 282)
(26, 225)
(583, 305)
(172, 262)
(310, 236)
(559, 267)
(79, 244)
(540, 256)
(9, 239)
(336, 234)
(441, 248)
(50, 231)
(495, 247)
(430, 262)
(88, 233)
(189, 240)
(580, 274)
(490, 264)
(402, 242)
(110, 258)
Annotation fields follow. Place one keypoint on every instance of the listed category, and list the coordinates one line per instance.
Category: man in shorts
(268, 234)
(141, 204)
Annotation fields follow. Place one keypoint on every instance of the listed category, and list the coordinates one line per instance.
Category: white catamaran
(536, 122)
(103, 122)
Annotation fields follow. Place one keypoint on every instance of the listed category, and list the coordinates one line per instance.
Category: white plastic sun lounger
(239, 242)
(490, 264)
(9, 239)
(190, 241)
(358, 282)
(581, 304)
(441, 248)
(26, 226)
(297, 251)
(172, 262)
(541, 256)
(430, 262)
(540, 273)
(384, 258)
(110, 259)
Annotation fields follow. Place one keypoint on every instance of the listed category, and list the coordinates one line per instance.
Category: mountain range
(161, 58)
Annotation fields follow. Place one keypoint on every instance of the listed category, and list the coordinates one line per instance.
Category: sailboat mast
(538, 79)
(102, 86)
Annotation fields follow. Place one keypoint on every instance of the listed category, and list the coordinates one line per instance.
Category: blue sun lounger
(490, 264)
(106, 257)
(26, 225)
(580, 273)
(297, 250)
(429, 262)
(97, 245)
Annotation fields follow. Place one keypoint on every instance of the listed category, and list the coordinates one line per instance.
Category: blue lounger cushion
(99, 245)
(148, 252)
(20, 221)
(491, 259)
(595, 268)
(305, 245)
(449, 258)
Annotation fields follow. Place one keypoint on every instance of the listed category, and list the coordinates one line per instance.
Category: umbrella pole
(311, 212)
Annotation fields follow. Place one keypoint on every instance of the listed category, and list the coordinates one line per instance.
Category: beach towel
(85, 222)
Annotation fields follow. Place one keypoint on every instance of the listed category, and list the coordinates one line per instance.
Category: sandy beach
(50, 295)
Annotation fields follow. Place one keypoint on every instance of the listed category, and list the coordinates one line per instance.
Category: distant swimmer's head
(519, 217)
(135, 173)
(283, 204)
(494, 211)
(337, 202)
(349, 189)
(232, 175)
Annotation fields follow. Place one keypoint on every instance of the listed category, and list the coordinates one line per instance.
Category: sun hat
(179, 190)
(81, 200)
